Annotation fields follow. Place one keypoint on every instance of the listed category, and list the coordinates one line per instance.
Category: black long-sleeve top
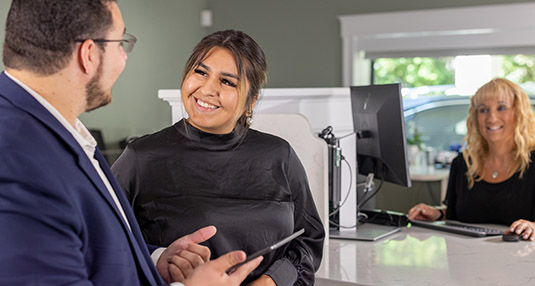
(500, 203)
(253, 188)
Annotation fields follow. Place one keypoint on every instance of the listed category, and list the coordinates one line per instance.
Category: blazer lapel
(139, 244)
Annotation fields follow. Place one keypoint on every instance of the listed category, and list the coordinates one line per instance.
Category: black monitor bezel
(380, 126)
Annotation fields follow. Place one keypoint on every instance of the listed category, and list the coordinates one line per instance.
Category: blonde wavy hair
(475, 148)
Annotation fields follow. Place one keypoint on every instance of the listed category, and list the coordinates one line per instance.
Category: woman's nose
(210, 88)
(492, 115)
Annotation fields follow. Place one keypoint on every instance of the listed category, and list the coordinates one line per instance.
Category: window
(475, 30)
(461, 75)
(436, 90)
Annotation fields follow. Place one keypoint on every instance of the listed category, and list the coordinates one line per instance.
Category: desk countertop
(428, 173)
(419, 256)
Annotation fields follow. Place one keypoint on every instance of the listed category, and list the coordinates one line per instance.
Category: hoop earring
(249, 116)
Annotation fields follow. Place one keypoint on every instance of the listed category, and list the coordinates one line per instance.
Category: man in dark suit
(64, 219)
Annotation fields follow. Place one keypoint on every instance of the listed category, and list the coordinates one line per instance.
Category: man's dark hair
(41, 34)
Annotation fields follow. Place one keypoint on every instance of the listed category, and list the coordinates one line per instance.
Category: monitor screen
(380, 127)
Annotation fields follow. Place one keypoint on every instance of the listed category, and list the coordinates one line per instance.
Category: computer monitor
(380, 127)
(379, 124)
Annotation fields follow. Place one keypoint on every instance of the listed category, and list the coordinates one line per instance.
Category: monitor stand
(366, 232)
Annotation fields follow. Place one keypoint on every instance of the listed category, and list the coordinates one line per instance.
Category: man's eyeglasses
(128, 42)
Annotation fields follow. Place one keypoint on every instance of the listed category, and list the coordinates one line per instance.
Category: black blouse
(253, 188)
(499, 203)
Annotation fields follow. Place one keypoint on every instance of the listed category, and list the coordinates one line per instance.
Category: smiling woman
(210, 93)
(211, 168)
(493, 179)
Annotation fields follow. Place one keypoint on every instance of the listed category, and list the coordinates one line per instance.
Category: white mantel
(322, 106)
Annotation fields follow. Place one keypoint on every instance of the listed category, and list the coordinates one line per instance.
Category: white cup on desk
(430, 155)
(417, 157)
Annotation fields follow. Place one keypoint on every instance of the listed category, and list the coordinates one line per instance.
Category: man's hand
(214, 272)
(182, 256)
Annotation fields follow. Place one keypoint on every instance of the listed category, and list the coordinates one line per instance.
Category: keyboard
(458, 228)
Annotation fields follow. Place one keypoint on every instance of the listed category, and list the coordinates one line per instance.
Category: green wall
(4, 8)
(301, 39)
(167, 31)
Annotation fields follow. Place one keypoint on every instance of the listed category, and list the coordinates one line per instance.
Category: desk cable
(348, 191)
(368, 184)
(361, 217)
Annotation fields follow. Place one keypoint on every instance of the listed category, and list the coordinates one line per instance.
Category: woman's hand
(423, 212)
(524, 227)
(263, 280)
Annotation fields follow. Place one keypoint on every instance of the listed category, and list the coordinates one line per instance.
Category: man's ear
(89, 57)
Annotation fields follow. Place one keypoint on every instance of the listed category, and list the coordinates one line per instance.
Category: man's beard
(95, 95)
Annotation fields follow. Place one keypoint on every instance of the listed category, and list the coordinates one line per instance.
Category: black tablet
(267, 249)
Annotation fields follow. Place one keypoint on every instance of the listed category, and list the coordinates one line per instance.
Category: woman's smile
(205, 105)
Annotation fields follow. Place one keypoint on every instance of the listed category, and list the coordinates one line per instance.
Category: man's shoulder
(21, 132)
(14, 123)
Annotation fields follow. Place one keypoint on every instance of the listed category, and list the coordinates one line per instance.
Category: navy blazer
(59, 224)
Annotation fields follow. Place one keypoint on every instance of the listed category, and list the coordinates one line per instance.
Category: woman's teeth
(205, 104)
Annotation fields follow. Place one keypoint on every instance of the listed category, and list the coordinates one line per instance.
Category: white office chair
(311, 150)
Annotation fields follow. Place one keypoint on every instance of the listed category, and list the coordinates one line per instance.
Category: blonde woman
(493, 179)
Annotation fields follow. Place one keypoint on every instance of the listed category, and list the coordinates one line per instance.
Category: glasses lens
(128, 42)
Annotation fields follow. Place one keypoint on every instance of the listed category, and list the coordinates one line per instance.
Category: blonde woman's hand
(423, 212)
(524, 227)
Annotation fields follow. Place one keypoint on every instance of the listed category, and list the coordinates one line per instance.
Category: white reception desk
(414, 256)
(419, 256)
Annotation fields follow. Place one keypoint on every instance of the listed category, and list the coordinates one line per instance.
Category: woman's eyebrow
(223, 73)
(205, 66)
(230, 75)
